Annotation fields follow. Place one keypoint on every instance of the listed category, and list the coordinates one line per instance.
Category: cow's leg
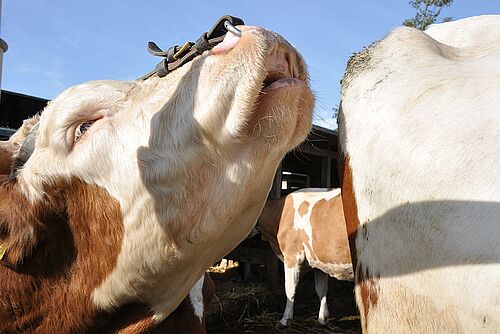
(321, 285)
(292, 276)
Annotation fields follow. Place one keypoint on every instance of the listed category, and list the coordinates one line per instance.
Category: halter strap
(176, 56)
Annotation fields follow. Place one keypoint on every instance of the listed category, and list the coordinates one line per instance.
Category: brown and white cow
(307, 229)
(188, 317)
(135, 188)
(419, 131)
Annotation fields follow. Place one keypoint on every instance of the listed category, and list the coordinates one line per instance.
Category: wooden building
(15, 107)
(312, 165)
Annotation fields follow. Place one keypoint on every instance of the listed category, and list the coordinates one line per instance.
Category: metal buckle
(229, 27)
(182, 49)
(174, 55)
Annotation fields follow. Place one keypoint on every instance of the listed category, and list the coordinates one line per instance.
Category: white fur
(196, 297)
(292, 277)
(321, 287)
(176, 155)
(477, 32)
(420, 123)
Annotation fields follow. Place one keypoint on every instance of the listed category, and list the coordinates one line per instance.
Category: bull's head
(189, 157)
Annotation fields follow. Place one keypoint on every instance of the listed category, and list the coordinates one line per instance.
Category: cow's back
(313, 224)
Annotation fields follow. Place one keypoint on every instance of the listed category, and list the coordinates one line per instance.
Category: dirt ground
(255, 307)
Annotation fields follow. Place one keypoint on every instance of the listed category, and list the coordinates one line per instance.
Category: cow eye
(81, 129)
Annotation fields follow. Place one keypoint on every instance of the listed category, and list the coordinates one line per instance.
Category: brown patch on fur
(10, 149)
(183, 319)
(303, 208)
(329, 234)
(21, 225)
(137, 318)
(369, 292)
(58, 252)
(269, 221)
(128, 319)
(6, 154)
(291, 241)
(350, 207)
(276, 226)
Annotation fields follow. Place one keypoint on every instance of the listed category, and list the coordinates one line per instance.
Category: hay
(257, 307)
(223, 266)
(247, 291)
(269, 320)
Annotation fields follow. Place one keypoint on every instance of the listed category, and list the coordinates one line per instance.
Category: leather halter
(176, 56)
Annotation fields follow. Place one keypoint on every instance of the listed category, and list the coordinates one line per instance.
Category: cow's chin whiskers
(282, 117)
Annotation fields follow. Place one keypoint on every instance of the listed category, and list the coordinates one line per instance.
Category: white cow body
(419, 131)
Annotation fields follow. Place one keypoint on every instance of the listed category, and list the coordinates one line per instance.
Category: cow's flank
(334, 249)
(418, 131)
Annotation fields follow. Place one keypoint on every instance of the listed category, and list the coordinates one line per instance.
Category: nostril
(291, 65)
(279, 60)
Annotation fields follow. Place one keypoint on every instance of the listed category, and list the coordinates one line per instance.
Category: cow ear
(15, 149)
(16, 246)
(20, 230)
(7, 151)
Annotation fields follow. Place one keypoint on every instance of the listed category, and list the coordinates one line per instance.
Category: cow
(134, 189)
(419, 137)
(305, 229)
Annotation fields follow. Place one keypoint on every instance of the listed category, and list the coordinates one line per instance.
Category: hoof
(281, 325)
(323, 321)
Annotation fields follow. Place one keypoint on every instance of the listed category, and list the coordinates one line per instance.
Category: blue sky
(54, 44)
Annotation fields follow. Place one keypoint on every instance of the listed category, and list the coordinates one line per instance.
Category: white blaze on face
(196, 297)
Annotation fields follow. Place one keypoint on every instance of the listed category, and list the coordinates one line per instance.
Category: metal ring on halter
(232, 29)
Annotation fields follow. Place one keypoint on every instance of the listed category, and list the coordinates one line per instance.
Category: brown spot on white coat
(307, 228)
